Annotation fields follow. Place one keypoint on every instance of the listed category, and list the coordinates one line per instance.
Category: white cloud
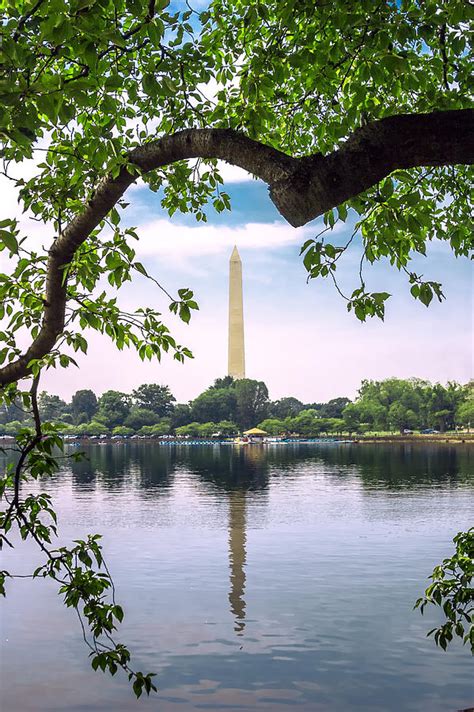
(229, 173)
(163, 238)
(233, 174)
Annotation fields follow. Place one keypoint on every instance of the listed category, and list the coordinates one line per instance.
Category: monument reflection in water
(237, 558)
(238, 470)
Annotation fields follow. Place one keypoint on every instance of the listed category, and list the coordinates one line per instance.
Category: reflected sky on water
(252, 578)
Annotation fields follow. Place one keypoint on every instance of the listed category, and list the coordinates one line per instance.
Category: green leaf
(171, 84)
(425, 294)
(184, 313)
(150, 85)
(9, 241)
(138, 687)
(140, 268)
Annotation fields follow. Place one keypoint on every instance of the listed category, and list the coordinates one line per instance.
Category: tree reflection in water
(244, 473)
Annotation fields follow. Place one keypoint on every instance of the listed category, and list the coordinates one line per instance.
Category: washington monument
(236, 318)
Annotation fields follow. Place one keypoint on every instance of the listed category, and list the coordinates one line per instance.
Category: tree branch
(370, 154)
(301, 188)
(25, 18)
(25, 451)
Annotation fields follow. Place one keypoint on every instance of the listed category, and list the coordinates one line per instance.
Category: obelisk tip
(235, 257)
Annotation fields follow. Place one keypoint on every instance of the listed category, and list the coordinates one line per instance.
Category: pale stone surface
(236, 317)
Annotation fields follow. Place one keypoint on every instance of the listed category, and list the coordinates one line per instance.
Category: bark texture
(319, 183)
(301, 188)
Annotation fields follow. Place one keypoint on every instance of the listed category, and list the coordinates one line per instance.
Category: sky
(299, 337)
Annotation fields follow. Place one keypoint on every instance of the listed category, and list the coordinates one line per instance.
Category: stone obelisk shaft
(236, 318)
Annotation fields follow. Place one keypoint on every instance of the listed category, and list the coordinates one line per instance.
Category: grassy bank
(450, 437)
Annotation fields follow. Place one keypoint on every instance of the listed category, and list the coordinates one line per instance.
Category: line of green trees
(230, 406)
(393, 404)
(396, 404)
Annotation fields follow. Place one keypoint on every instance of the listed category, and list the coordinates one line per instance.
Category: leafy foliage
(114, 407)
(309, 75)
(381, 405)
(139, 417)
(286, 407)
(452, 590)
(406, 404)
(154, 397)
(306, 424)
(465, 411)
(83, 403)
(79, 570)
(214, 404)
(224, 428)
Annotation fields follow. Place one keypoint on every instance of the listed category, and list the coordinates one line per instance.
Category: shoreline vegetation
(450, 438)
(392, 410)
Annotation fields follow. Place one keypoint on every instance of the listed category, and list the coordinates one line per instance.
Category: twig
(25, 18)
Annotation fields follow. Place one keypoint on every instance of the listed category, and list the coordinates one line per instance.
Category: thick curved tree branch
(301, 188)
(370, 154)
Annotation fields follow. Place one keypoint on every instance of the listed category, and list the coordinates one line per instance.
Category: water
(279, 578)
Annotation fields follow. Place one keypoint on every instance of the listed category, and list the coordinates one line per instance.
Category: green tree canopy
(400, 404)
(122, 430)
(465, 410)
(285, 407)
(251, 401)
(92, 428)
(84, 402)
(12, 411)
(226, 428)
(401, 417)
(13, 427)
(333, 408)
(214, 404)
(347, 111)
(190, 429)
(225, 382)
(352, 417)
(163, 427)
(114, 407)
(138, 417)
(181, 415)
(443, 404)
(306, 423)
(158, 399)
(273, 426)
(51, 407)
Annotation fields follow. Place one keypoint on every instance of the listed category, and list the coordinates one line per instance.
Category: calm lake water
(277, 578)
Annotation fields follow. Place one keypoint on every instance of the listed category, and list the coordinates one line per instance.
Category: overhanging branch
(369, 155)
(301, 188)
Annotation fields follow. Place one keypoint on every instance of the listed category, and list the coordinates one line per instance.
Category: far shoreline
(438, 439)
(405, 439)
